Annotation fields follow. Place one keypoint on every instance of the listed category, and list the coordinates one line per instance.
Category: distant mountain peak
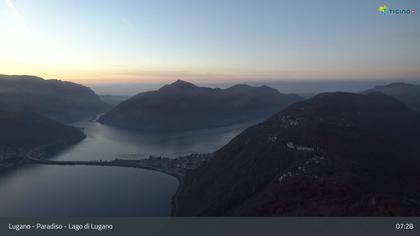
(178, 85)
(407, 93)
(239, 86)
(399, 84)
(246, 87)
(182, 83)
(59, 100)
(20, 78)
(193, 107)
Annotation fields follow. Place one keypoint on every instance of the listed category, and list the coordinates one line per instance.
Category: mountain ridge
(336, 154)
(25, 133)
(407, 93)
(185, 106)
(60, 100)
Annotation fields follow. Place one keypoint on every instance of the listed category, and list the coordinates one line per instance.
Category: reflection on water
(105, 142)
(41, 190)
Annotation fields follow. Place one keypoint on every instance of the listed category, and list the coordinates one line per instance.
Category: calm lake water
(42, 190)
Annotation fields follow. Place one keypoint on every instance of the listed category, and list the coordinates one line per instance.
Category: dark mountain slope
(409, 94)
(337, 154)
(24, 132)
(59, 100)
(184, 106)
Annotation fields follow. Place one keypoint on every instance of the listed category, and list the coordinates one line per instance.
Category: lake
(45, 190)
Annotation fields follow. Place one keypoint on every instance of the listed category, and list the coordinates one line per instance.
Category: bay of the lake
(46, 190)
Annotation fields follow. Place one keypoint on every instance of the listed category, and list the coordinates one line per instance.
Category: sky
(158, 41)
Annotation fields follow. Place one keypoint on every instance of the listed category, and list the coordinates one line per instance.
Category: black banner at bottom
(264, 226)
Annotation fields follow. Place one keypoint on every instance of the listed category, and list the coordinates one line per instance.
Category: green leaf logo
(383, 9)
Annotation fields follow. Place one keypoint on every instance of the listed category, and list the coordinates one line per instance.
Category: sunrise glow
(124, 41)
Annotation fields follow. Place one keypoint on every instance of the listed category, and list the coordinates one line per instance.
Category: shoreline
(176, 167)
